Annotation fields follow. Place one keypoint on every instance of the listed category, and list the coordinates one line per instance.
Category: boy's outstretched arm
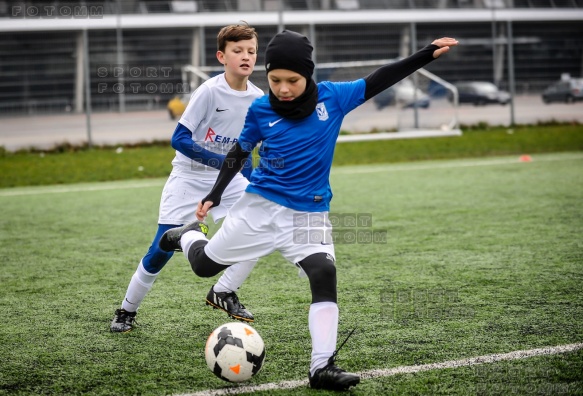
(387, 75)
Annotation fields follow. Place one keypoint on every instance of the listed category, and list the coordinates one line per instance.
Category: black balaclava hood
(292, 51)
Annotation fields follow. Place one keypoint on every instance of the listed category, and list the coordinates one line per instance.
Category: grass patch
(475, 142)
(85, 165)
(70, 164)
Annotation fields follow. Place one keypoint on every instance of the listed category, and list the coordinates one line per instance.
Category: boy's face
(286, 84)
(239, 57)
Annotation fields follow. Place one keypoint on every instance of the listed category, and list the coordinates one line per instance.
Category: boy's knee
(200, 263)
(201, 272)
(321, 272)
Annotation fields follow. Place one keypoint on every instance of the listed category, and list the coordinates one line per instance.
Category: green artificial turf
(472, 257)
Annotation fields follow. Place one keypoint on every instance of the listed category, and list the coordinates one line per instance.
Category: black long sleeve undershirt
(234, 160)
(387, 75)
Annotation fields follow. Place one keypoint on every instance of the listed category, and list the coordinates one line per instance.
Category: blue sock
(156, 258)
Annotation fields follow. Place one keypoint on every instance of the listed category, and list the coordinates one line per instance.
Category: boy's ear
(221, 57)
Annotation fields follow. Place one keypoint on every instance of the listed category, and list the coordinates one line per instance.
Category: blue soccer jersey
(296, 155)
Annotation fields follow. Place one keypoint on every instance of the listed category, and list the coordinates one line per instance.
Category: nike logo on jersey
(219, 110)
(274, 122)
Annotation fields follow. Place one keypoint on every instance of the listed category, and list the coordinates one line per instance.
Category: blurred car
(385, 98)
(480, 93)
(404, 94)
(177, 105)
(568, 91)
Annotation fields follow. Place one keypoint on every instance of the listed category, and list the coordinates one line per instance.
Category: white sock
(189, 238)
(234, 276)
(323, 323)
(139, 286)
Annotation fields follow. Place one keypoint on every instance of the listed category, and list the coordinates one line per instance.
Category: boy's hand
(202, 210)
(443, 43)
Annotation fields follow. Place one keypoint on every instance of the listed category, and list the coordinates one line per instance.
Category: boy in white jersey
(206, 131)
(289, 194)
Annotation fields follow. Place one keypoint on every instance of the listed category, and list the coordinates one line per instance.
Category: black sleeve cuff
(233, 163)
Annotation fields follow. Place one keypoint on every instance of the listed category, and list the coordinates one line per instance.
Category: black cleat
(333, 378)
(123, 321)
(229, 302)
(170, 240)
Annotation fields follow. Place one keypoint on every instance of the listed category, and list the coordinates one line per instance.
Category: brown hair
(235, 33)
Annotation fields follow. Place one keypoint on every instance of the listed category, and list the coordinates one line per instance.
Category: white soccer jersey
(215, 114)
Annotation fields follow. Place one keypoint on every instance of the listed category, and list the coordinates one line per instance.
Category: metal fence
(139, 66)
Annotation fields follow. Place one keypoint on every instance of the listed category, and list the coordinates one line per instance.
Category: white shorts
(256, 227)
(181, 196)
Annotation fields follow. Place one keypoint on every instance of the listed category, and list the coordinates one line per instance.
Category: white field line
(235, 390)
(348, 170)
(73, 188)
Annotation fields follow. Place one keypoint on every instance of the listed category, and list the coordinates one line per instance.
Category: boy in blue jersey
(289, 193)
(206, 131)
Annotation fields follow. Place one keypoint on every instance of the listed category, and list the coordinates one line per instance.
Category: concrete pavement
(45, 132)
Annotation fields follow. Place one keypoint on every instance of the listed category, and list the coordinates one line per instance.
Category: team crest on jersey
(322, 112)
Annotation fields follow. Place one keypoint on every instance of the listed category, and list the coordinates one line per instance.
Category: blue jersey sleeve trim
(183, 143)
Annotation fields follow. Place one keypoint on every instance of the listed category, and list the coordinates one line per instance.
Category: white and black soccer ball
(234, 352)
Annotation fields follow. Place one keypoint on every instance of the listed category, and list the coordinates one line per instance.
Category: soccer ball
(234, 352)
